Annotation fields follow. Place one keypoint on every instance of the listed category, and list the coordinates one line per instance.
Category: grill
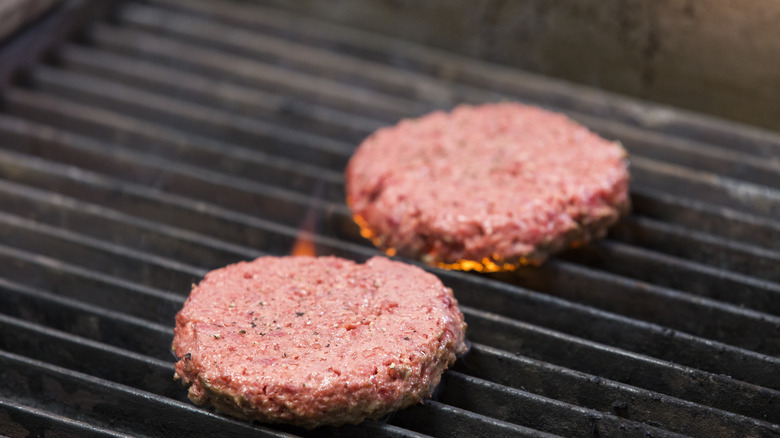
(171, 137)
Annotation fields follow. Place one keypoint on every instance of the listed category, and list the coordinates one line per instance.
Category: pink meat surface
(500, 182)
(314, 341)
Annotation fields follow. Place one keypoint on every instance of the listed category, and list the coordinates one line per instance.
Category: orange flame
(304, 242)
(487, 264)
(364, 230)
(304, 245)
(367, 233)
(484, 265)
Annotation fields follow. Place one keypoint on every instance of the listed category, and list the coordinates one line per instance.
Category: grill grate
(186, 135)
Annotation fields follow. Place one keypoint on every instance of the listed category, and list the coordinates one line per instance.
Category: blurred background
(720, 57)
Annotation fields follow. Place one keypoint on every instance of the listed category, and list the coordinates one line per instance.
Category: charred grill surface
(181, 136)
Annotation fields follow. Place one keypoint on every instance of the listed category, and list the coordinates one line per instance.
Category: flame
(304, 245)
(367, 233)
(484, 265)
(364, 230)
(487, 264)
(304, 242)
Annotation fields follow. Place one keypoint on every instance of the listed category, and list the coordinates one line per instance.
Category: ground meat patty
(486, 187)
(316, 341)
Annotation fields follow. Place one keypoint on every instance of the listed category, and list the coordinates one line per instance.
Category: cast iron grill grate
(186, 135)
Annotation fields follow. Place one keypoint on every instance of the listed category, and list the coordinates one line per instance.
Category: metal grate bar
(166, 208)
(252, 73)
(17, 420)
(236, 129)
(638, 142)
(487, 398)
(116, 129)
(82, 355)
(644, 165)
(322, 61)
(696, 215)
(619, 331)
(441, 419)
(238, 194)
(695, 315)
(710, 187)
(604, 395)
(676, 273)
(289, 54)
(688, 153)
(110, 405)
(657, 351)
(207, 90)
(473, 72)
(752, 263)
(115, 260)
(718, 252)
(96, 288)
(714, 390)
(211, 91)
(769, 264)
(100, 222)
(85, 320)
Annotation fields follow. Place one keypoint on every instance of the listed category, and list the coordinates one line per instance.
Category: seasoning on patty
(486, 187)
(316, 341)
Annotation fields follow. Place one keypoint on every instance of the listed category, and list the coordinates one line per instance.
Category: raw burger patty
(316, 341)
(486, 187)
